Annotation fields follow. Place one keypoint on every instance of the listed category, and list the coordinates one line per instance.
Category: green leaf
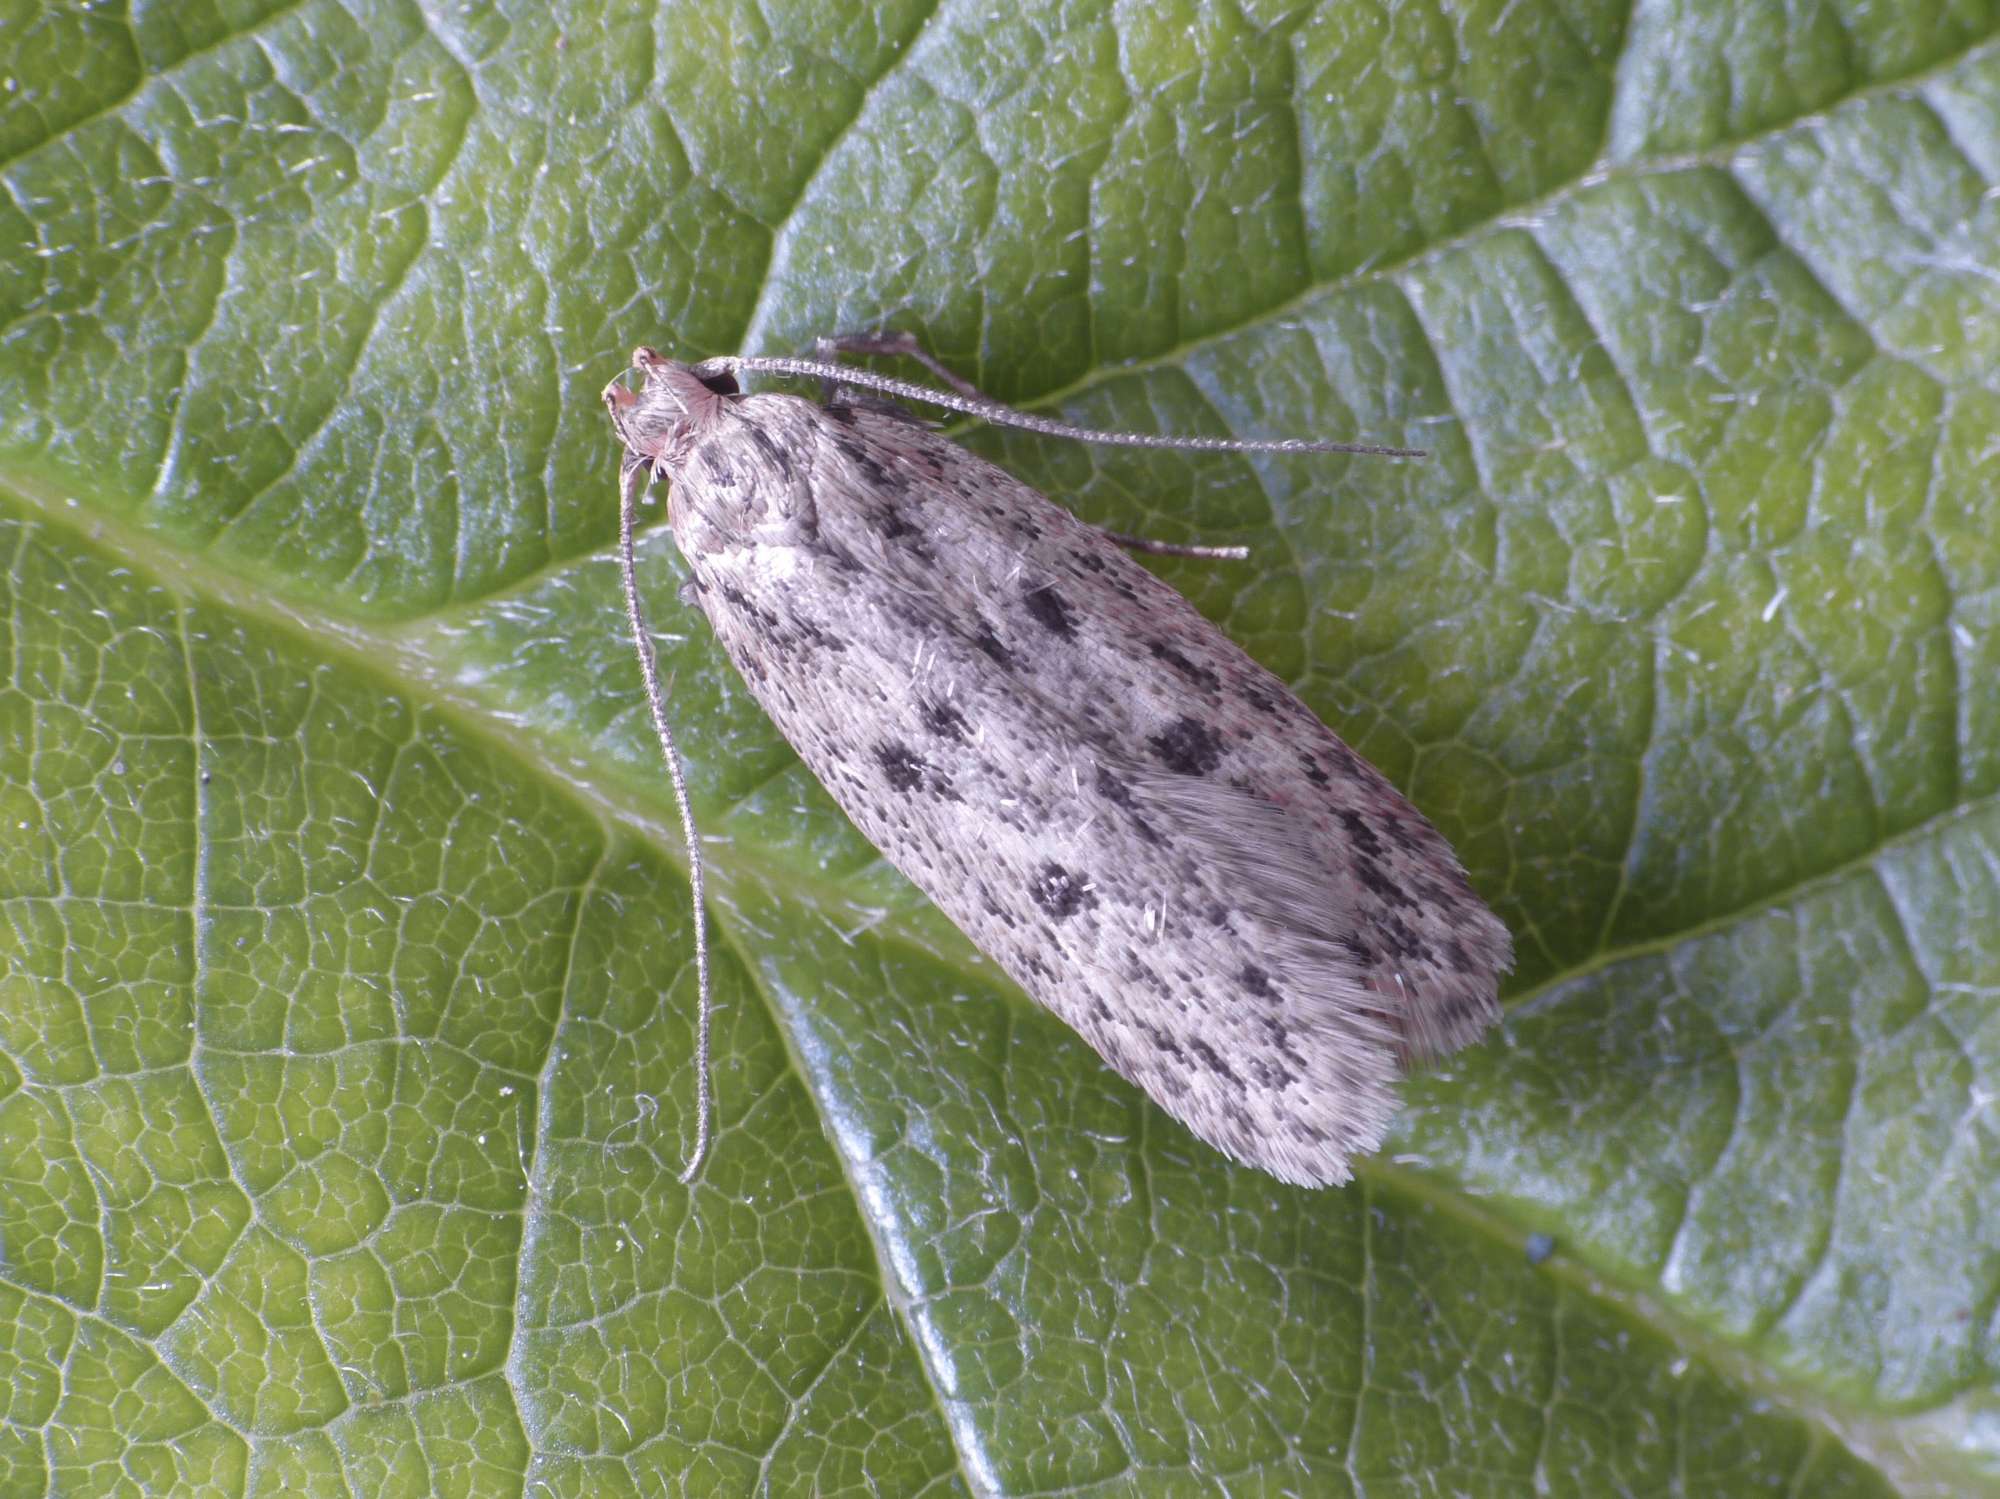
(345, 993)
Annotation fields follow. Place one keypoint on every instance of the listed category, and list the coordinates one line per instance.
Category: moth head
(671, 402)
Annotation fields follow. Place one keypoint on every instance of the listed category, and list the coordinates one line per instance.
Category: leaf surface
(345, 983)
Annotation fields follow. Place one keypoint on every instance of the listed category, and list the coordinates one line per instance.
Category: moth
(1143, 827)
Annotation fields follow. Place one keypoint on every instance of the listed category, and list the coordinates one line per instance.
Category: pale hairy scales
(1142, 826)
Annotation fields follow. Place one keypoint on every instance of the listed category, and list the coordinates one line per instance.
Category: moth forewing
(1146, 829)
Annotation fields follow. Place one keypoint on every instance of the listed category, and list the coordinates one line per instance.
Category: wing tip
(1451, 1005)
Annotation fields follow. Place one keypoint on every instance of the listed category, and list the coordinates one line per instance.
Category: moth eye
(722, 383)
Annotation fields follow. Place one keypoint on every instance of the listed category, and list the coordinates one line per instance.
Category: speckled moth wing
(1138, 823)
(1311, 836)
(1374, 901)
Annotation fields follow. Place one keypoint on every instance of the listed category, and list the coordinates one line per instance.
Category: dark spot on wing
(1361, 833)
(774, 455)
(1314, 772)
(992, 645)
(1060, 892)
(1188, 746)
(1385, 889)
(1201, 676)
(1431, 893)
(1281, 1042)
(894, 526)
(943, 720)
(822, 550)
(1119, 795)
(1051, 611)
(901, 766)
(906, 771)
(1351, 766)
(737, 596)
(784, 630)
(1403, 942)
(1408, 832)
(865, 463)
(1214, 1060)
(1269, 1075)
(1256, 981)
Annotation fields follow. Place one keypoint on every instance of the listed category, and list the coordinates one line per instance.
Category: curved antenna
(634, 482)
(1007, 416)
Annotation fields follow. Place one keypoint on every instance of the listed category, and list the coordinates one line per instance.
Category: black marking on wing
(1115, 791)
(1201, 676)
(1188, 747)
(1051, 611)
(1213, 1059)
(908, 772)
(1363, 837)
(994, 647)
(943, 720)
(772, 452)
(1060, 892)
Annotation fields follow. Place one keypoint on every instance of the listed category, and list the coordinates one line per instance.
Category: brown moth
(1146, 829)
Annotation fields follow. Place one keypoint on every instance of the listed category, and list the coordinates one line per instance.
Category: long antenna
(632, 486)
(993, 411)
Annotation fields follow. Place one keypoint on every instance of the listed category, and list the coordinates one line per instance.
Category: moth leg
(906, 346)
(895, 346)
